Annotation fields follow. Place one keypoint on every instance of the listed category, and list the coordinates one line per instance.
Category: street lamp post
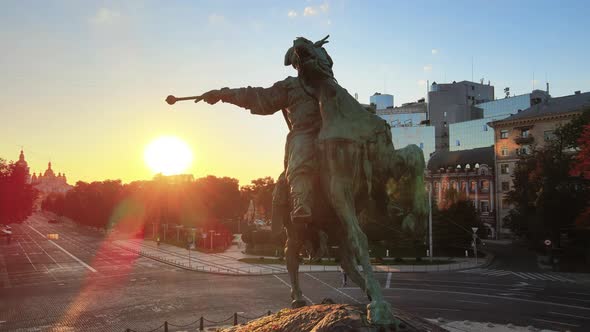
(211, 232)
(474, 229)
(430, 221)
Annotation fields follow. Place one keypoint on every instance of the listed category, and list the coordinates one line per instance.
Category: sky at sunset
(83, 83)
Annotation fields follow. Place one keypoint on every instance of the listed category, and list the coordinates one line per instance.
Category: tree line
(17, 197)
(205, 202)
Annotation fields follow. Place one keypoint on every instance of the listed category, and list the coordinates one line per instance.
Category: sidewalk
(228, 262)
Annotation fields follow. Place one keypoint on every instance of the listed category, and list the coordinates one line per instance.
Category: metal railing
(202, 322)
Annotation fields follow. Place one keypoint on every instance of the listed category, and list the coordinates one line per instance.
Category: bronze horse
(356, 160)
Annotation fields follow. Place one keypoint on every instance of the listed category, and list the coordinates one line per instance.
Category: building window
(422, 146)
(504, 169)
(505, 203)
(484, 206)
(505, 186)
(454, 185)
(472, 87)
(548, 135)
(485, 128)
(524, 133)
(458, 143)
(504, 151)
(463, 186)
(523, 151)
(484, 185)
(504, 133)
(436, 186)
(473, 186)
(445, 114)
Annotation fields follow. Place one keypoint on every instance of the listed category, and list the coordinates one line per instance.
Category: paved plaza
(85, 280)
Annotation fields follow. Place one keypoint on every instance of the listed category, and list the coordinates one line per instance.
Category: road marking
(560, 278)
(521, 275)
(289, 285)
(568, 315)
(476, 302)
(67, 252)
(568, 298)
(336, 289)
(4, 274)
(494, 297)
(550, 321)
(46, 253)
(388, 281)
(497, 273)
(23, 249)
(445, 309)
(531, 275)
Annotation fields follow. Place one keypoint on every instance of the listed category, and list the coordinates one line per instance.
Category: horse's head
(310, 59)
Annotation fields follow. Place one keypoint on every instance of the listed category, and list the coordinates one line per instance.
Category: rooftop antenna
(427, 100)
(472, 68)
(533, 80)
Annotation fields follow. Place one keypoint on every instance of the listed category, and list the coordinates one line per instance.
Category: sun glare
(168, 155)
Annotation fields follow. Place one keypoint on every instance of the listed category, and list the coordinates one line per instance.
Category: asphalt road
(81, 281)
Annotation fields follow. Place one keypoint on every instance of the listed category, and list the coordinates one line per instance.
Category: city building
(381, 100)
(22, 163)
(455, 102)
(477, 133)
(530, 128)
(471, 174)
(409, 126)
(48, 183)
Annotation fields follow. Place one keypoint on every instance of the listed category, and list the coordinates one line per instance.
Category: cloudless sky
(82, 83)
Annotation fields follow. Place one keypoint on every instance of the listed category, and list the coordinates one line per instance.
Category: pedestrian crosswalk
(523, 275)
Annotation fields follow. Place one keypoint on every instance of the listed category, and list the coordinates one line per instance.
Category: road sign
(474, 229)
(547, 242)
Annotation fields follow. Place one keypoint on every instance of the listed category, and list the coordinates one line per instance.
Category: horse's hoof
(379, 313)
(328, 300)
(298, 304)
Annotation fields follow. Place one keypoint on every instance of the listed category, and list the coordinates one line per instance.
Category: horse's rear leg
(292, 249)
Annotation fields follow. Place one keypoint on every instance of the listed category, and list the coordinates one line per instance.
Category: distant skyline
(83, 83)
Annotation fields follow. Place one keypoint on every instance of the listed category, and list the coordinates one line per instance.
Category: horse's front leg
(292, 250)
(341, 195)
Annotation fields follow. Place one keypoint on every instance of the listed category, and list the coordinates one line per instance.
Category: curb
(237, 272)
(488, 261)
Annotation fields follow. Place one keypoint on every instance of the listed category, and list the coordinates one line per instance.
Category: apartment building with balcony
(524, 131)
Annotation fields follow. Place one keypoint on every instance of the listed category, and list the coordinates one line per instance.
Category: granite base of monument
(330, 318)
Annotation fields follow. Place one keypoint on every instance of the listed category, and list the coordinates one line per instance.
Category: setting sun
(168, 155)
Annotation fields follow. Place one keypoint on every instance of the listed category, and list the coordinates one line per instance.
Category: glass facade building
(422, 136)
(382, 101)
(476, 133)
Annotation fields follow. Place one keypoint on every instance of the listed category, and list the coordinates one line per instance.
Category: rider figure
(303, 118)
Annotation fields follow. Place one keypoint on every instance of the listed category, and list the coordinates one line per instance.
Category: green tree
(452, 221)
(548, 199)
(17, 197)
